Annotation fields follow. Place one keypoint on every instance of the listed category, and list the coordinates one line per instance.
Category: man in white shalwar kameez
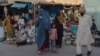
(84, 36)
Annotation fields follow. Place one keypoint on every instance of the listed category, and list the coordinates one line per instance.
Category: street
(30, 50)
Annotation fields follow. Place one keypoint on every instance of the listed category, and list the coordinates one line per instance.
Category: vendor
(94, 27)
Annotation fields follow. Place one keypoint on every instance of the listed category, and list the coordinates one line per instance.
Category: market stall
(22, 7)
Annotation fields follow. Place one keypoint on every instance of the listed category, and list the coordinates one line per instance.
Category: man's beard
(82, 14)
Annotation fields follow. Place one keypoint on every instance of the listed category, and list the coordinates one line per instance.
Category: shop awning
(18, 5)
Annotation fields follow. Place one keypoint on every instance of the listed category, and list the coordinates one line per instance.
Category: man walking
(84, 36)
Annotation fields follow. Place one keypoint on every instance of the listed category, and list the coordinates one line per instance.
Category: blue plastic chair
(73, 30)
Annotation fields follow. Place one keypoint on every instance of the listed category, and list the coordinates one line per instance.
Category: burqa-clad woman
(47, 29)
(59, 25)
(39, 22)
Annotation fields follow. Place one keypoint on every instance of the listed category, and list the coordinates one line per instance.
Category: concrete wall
(93, 9)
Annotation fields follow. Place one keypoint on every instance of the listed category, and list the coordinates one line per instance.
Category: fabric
(47, 38)
(21, 21)
(42, 23)
(61, 19)
(42, 48)
(22, 35)
(52, 43)
(30, 31)
(46, 20)
(53, 34)
(84, 34)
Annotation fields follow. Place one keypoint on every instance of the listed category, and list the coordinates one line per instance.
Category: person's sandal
(79, 55)
(39, 52)
(54, 50)
(88, 53)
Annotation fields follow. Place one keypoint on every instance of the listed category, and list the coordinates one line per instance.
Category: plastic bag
(68, 42)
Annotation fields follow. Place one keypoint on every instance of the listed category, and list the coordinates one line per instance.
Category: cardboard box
(12, 42)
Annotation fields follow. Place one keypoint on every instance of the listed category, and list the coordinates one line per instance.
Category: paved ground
(30, 50)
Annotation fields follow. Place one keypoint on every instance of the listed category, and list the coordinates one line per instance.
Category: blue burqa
(42, 24)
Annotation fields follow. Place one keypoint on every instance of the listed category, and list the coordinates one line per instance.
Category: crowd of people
(24, 30)
(46, 34)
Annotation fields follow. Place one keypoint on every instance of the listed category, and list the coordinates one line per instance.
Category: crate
(97, 42)
(12, 42)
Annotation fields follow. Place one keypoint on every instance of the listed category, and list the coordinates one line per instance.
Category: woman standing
(59, 25)
(39, 23)
(8, 25)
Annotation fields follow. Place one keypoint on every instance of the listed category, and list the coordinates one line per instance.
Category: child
(53, 37)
